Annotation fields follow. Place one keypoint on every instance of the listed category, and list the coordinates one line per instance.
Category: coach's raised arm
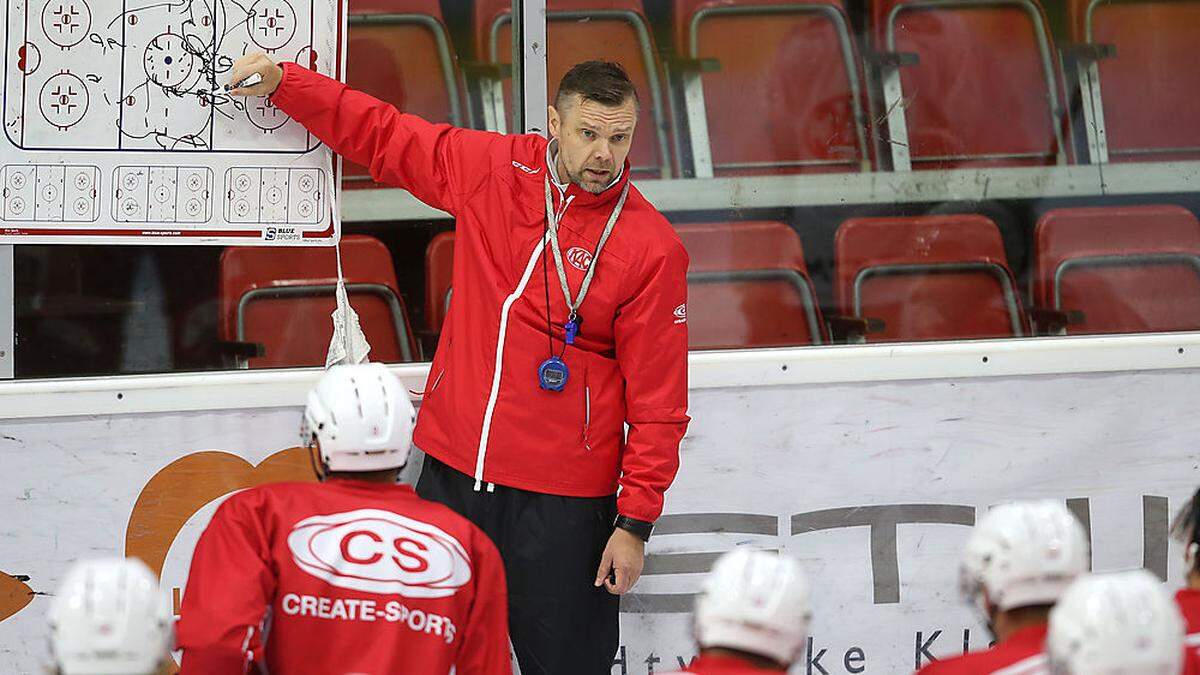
(568, 323)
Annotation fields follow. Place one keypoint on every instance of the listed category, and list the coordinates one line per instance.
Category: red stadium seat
(399, 51)
(983, 89)
(282, 298)
(796, 59)
(748, 286)
(1150, 88)
(1127, 269)
(927, 278)
(580, 30)
(439, 268)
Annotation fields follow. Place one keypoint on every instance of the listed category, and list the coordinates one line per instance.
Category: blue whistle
(572, 329)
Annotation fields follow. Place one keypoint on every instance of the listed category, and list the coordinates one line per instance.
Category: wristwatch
(638, 528)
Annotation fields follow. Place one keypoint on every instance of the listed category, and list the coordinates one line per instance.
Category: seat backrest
(748, 286)
(393, 54)
(267, 287)
(1151, 80)
(581, 30)
(797, 61)
(927, 277)
(439, 271)
(1128, 269)
(982, 91)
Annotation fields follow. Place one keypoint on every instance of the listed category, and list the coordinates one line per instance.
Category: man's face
(593, 140)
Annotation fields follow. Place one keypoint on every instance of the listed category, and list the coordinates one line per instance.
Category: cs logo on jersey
(380, 552)
(681, 313)
(580, 258)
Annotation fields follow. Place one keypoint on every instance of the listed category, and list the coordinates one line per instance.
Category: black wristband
(638, 528)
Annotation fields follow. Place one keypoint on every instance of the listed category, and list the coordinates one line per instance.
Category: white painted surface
(771, 451)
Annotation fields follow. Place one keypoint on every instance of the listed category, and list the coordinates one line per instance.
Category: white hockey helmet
(361, 417)
(109, 618)
(756, 602)
(1022, 554)
(1122, 623)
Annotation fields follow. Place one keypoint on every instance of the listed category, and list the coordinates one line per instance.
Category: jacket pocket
(439, 367)
(587, 415)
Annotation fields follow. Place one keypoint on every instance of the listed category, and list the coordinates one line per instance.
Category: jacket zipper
(481, 452)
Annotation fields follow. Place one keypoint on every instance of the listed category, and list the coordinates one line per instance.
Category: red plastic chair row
(1099, 270)
(399, 51)
(279, 301)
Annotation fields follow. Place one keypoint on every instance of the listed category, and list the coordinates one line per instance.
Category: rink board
(872, 485)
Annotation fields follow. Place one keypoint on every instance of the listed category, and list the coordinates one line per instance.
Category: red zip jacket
(355, 577)
(712, 664)
(484, 413)
(1020, 654)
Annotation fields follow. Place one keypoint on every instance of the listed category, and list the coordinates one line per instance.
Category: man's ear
(555, 122)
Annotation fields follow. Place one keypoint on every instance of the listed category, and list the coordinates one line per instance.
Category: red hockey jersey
(712, 664)
(1020, 654)
(343, 577)
(1189, 605)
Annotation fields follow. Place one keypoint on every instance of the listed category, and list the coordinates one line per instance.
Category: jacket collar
(570, 190)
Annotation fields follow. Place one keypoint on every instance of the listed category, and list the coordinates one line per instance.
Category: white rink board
(117, 128)
(759, 462)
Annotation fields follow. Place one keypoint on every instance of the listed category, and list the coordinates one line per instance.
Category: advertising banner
(873, 486)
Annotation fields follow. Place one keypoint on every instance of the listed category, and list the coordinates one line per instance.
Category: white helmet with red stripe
(1122, 623)
(361, 417)
(1023, 554)
(756, 602)
(109, 618)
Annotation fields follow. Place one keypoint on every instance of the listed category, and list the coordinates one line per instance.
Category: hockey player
(1122, 623)
(110, 618)
(752, 615)
(1186, 530)
(355, 574)
(1018, 561)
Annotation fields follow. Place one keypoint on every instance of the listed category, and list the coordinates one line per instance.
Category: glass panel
(887, 170)
(90, 310)
(840, 173)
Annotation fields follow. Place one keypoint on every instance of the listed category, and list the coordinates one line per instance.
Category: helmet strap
(320, 470)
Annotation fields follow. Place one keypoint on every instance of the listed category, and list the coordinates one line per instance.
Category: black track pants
(560, 623)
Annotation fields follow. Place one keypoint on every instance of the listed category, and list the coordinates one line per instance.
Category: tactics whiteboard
(117, 128)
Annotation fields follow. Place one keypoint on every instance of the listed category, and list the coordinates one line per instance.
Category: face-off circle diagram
(64, 100)
(168, 61)
(66, 22)
(264, 115)
(272, 23)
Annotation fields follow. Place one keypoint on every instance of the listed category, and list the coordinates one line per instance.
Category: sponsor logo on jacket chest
(580, 258)
(380, 552)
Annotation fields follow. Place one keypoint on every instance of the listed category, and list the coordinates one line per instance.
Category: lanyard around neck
(552, 225)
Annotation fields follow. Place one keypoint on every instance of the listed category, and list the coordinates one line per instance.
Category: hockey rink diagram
(115, 116)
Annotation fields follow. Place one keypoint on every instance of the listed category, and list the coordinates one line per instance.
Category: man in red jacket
(1019, 559)
(568, 324)
(356, 574)
(1186, 530)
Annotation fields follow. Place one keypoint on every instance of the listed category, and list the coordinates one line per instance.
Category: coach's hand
(255, 63)
(623, 557)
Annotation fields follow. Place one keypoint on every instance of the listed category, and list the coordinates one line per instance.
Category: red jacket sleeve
(439, 164)
(651, 338)
(484, 644)
(229, 589)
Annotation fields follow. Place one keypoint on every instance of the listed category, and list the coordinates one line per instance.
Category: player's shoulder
(988, 662)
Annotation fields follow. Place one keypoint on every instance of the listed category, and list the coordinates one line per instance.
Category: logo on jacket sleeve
(380, 552)
(580, 258)
(681, 313)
